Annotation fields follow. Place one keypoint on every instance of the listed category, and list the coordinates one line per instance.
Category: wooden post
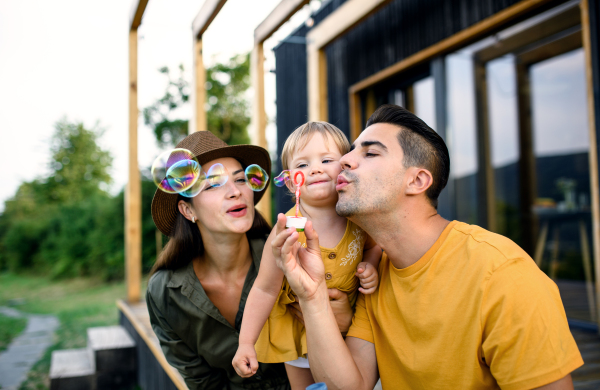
(593, 153)
(198, 122)
(259, 116)
(133, 194)
(317, 83)
(355, 116)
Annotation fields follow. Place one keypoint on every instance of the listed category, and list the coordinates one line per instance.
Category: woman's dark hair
(422, 146)
(185, 243)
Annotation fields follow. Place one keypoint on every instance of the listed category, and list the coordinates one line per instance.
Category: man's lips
(341, 183)
(238, 210)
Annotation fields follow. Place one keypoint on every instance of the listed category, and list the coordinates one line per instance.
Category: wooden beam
(355, 117)
(133, 195)
(259, 117)
(317, 84)
(280, 14)
(207, 14)
(198, 98)
(137, 11)
(563, 18)
(486, 202)
(351, 13)
(593, 153)
(451, 43)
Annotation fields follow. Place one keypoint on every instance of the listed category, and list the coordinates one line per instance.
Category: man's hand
(244, 362)
(303, 267)
(340, 306)
(368, 277)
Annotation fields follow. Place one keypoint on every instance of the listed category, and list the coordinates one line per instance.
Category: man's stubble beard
(359, 201)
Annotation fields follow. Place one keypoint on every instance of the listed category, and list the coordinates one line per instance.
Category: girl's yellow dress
(283, 338)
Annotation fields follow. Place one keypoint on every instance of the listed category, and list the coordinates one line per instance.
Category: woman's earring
(193, 219)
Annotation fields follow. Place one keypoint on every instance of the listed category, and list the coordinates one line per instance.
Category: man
(457, 306)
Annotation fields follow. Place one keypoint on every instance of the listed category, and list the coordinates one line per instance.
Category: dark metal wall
(150, 374)
(402, 28)
(292, 101)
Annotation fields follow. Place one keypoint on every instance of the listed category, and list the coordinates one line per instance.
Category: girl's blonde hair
(302, 135)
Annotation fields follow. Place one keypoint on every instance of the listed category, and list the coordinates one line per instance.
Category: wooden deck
(587, 377)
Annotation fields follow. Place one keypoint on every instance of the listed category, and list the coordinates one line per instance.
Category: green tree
(227, 106)
(55, 222)
(78, 166)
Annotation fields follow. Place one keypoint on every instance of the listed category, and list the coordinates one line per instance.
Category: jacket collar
(186, 278)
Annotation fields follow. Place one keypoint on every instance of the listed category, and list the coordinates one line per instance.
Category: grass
(78, 304)
(9, 329)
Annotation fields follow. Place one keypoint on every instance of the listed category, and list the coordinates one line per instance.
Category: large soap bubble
(175, 170)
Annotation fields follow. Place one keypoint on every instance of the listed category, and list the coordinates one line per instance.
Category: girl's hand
(368, 277)
(244, 362)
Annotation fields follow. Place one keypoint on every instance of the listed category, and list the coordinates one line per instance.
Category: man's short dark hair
(422, 146)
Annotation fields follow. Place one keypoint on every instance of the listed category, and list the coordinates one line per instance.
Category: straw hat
(206, 147)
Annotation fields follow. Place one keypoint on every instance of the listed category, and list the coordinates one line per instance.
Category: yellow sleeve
(361, 324)
(526, 339)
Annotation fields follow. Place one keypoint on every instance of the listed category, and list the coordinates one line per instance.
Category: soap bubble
(172, 173)
(196, 188)
(256, 177)
(216, 176)
(282, 178)
(183, 174)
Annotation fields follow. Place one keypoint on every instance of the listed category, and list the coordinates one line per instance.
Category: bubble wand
(295, 222)
(298, 185)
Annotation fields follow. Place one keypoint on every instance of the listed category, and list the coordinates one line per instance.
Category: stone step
(112, 347)
(72, 369)
(114, 353)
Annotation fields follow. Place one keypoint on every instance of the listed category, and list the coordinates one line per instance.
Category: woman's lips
(341, 183)
(237, 211)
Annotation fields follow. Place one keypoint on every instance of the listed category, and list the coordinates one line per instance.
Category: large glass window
(461, 137)
(504, 145)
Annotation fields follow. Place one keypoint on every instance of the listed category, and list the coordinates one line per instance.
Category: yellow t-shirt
(283, 337)
(475, 312)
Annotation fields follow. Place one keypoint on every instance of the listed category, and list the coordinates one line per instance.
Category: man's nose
(347, 161)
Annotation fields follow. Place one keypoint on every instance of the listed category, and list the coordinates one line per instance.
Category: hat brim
(164, 205)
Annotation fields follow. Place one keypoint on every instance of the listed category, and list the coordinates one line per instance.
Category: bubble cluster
(256, 177)
(178, 172)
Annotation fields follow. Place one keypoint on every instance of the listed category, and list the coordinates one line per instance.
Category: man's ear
(185, 210)
(418, 180)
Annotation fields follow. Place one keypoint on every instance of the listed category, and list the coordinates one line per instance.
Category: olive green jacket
(194, 336)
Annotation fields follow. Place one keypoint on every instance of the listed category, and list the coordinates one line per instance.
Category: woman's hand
(340, 306)
(244, 362)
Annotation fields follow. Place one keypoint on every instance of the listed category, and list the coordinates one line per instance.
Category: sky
(69, 59)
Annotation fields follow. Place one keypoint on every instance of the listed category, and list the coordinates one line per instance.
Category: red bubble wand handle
(298, 185)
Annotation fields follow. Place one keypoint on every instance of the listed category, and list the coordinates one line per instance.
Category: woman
(201, 280)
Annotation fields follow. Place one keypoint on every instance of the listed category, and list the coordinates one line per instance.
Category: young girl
(315, 149)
